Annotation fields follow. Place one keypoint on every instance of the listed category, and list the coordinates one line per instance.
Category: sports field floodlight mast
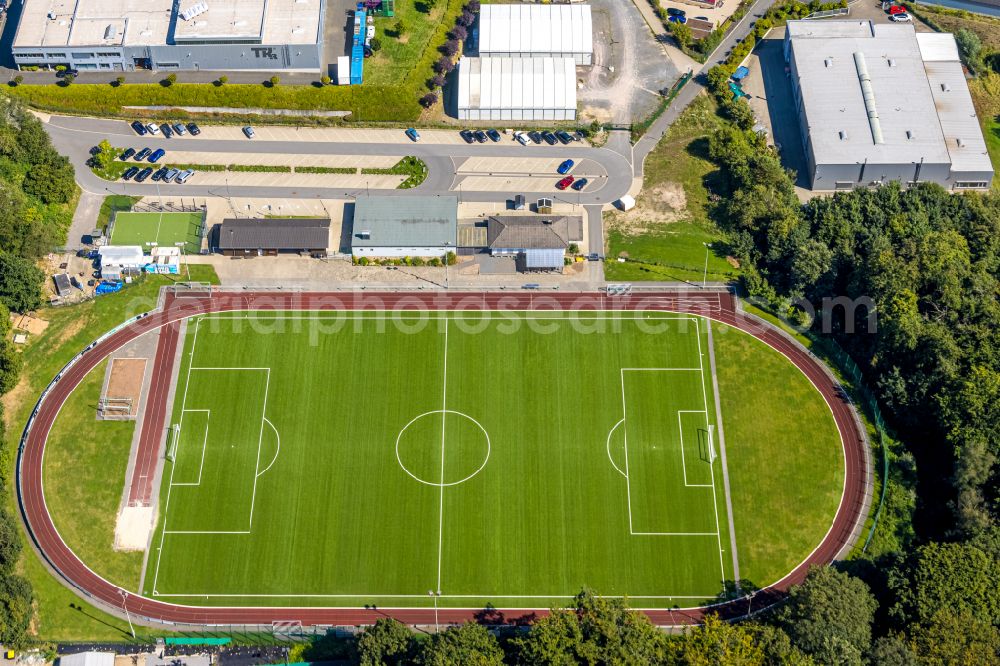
(435, 595)
(124, 594)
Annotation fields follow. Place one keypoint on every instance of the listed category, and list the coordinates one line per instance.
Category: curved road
(720, 307)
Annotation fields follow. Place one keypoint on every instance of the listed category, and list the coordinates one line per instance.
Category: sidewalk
(681, 60)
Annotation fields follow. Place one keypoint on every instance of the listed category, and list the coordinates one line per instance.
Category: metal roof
(865, 93)
(517, 83)
(521, 232)
(406, 221)
(543, 259)
(528, 29)
(274, 234)
(120, 254)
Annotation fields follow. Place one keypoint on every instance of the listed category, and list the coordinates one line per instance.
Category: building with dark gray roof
(538, 242)
(879, 103)
(237, 237)
(404, 226)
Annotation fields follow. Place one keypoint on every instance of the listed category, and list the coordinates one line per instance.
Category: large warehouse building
(881, 102)
(524, 31)
(125, 35)
(516, 89)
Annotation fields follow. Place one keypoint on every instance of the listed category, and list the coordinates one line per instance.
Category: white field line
(628, 482)
(173, 466)
(680, 429)
(434, 315)
(443, 596)
(204, 446)
(260, 442)
(276, 451)
(444, 418)
(715, 503)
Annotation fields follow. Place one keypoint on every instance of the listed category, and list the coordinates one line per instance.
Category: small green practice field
(341, 459)
(166, 229)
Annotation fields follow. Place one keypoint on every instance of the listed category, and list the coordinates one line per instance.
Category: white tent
(516, 89)
(520, 31)
(88, 659)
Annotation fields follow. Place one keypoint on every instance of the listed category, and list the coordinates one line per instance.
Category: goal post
(192, 290)
(175, 434)
(113, 406)
(711, 444)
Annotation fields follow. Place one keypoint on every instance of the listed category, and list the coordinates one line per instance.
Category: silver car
(170, 174)
(183, 176)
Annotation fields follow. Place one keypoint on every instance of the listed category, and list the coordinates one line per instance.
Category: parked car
(170, 174)
(593, 256)
(168, 131)
(248, 131)
(159, 173)
(183, 176)
(157, 154)
(142, 154)
(413, 134)
(493, 134)
(580, 184)
(564, 137)
(522, 138)
(69, 71)
(180, 129)
(144, 174)
(678, 18)
(549, 138)
(481, 136)
(468, 136)
(565, 167)
(897, 9)
(153, 128)
(535, 136)
(673, 11)
(129, 152)
(194, 129)
(902, 17)
(564, 183)
(130, 172)
(139, 128)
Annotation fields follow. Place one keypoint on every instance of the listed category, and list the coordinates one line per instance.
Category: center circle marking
(489, 447)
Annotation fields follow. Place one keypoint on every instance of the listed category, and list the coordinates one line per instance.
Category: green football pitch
(165, 229)
(340, 459)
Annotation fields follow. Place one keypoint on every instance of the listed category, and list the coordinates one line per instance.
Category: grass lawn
(318, 498)
(84, 474)
(112, 203)
(400, 55)
(664, 236)
(166, 229)
(787, 473)
(70, 330)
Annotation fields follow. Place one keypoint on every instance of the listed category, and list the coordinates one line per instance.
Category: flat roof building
(881, 102)
(524, 31)
(404, 226)
(270, 236)
(124, 35)
(516, 89)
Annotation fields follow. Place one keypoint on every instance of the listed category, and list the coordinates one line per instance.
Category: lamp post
(435, 595)
(124, 594)
(704, 276)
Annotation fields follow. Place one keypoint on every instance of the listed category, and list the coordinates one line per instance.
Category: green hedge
(323, 169)
(413, 167)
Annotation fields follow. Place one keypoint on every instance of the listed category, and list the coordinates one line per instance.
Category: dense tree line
(36, 193)
(832, 618)
(927, 263)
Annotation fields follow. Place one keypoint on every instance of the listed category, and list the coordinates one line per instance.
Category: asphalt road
(75, 136)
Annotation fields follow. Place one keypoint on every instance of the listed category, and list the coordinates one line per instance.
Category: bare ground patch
(663, 204)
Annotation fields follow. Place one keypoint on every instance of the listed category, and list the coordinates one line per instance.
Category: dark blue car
(157, 154)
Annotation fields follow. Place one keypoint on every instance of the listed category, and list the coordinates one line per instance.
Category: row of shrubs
(451, 48)
(449, 259)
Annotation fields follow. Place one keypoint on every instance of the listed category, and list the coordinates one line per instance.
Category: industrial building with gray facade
(126, 35)
(879, 103)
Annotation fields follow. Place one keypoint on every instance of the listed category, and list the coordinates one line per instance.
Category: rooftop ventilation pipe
(869, 96)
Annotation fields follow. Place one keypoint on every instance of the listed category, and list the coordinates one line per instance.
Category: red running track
(718, 306)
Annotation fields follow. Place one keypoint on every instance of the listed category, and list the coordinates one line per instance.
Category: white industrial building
(524, 31)
(516, 89)
(117, 261)
(881, 102)
(126, 35)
